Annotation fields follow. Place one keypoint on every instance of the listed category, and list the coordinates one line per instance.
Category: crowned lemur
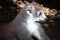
(26, 25)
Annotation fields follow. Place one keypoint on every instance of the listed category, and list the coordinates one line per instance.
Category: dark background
(8, 11)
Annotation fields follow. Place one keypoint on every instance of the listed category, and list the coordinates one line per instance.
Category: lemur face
(36, 14)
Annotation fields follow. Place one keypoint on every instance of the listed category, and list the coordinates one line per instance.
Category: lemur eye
(29, 11)
(39, 14)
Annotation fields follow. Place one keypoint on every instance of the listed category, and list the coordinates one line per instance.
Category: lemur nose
(46, 19)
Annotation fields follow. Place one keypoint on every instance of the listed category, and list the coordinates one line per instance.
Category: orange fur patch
(37, 6)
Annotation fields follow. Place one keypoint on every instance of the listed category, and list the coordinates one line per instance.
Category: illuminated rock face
(25, 25)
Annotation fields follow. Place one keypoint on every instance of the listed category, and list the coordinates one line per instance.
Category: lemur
(26, 25)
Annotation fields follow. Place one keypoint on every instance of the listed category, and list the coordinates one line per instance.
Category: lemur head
(36, 13)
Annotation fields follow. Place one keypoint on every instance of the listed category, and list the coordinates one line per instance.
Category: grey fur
(17, 28)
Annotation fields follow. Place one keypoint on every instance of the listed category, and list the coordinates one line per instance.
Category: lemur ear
(30, 9)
